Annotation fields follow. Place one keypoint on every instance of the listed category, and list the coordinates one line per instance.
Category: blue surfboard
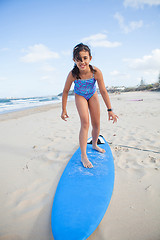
(83, 194)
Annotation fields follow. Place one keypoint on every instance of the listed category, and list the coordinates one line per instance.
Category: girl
(84, 77)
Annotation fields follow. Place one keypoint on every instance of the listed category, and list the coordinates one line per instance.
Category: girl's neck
(85, 73)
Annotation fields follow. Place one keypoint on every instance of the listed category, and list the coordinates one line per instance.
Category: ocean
(16, 104)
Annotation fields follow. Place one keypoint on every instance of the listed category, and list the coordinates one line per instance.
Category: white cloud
(48, 68)
(118, 74)
(37, 53)
(3, 78)
(140, 3)
(114, 73)
(4, 49)
(130, 27)
(67, 53)
(148, 62)
(100, 40)
(45, 77)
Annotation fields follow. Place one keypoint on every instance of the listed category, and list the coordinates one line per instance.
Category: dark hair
(76, 50)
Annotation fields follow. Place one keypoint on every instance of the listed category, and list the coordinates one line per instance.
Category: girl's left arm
(105, 96)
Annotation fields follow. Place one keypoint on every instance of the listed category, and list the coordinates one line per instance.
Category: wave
(4, 100)
(15, 104)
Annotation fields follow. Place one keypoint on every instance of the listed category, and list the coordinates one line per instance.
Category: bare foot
(101, 150)
(86, 163)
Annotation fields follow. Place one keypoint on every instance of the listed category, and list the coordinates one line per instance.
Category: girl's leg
(82, 107)
(94, 108)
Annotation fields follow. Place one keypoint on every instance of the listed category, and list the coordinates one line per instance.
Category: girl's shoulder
(97, 73)
(71, 77)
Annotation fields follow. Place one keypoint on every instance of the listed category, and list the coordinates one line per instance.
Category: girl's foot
(86, 163)
(101, 150)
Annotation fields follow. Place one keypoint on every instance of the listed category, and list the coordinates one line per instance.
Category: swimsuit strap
(93, 71)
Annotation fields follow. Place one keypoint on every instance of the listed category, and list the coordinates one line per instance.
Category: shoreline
(27, 111)
(71, 98)
(46, 107)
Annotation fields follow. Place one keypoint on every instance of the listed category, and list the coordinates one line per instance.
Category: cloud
(3, 78)
(148, 63)
(45, 77)
(130, 27)
(37, 53)
(100, 40)
(114, 73)
(47, 68)
(4, 49)
(118, 74)
(67, 53)
(140, 3)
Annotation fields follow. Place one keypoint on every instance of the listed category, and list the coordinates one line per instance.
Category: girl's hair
(76, 50)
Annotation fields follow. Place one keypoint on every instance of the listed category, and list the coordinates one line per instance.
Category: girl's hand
(64, 115)
(112, 116)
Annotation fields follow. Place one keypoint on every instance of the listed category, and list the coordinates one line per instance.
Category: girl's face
(83, 60)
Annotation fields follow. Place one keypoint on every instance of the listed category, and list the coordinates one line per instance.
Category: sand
(35, 146)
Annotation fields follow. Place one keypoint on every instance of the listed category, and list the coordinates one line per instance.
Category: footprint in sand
(30, 199)
(152, 159)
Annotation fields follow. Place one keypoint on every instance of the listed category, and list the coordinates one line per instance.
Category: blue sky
(37, 38)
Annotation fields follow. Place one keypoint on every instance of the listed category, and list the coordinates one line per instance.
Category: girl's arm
(104, 93)
(66, 89)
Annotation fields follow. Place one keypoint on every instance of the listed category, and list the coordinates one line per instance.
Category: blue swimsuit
(85, 88)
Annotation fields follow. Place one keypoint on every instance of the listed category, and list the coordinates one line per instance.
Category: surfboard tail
(99, 141)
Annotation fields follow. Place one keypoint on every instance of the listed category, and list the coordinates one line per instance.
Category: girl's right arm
(66, 89)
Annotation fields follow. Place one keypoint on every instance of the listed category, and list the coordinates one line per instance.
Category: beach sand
(35, 146)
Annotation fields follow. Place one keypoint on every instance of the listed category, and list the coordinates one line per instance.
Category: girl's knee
(96, 127)
(96, 124)
(85, 124)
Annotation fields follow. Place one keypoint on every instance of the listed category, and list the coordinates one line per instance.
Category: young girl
(84, 77)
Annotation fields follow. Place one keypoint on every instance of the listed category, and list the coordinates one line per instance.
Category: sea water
(15, 104)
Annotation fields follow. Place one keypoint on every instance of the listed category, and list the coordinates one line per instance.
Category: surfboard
(83, 194)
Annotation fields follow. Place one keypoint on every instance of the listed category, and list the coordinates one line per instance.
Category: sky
(37, 38)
